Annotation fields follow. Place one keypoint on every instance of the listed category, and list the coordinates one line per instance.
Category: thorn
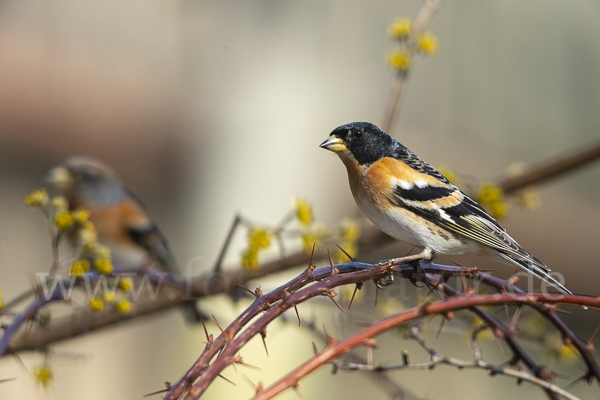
(376, 295)
(297, 391)
(216, 322)
(561, 311)
(499, 335)
(440, 328)
(155, 393)
(252, 384)
(315, 349)
(249, 366)
(247, 290)
(594, 336)
(298, 315)
(312, 256)
(263, 335)
(209, 338)
(410, 251)
(513, 323)
(330, 294)
(506, 309)
(18, 359)
(330, 339)
(221, 376)
(333, 269)
(352, 259)
(581, 378)
(357, 287)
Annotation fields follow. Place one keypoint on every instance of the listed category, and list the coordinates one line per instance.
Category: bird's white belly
(404, 225)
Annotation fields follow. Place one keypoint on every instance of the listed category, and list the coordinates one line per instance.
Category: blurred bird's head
(361, 141)
(87, 179)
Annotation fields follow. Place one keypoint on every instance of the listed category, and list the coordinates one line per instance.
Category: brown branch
(335, 350)
(276, 303)
(202, 373)
(567, 333)
(553, 168)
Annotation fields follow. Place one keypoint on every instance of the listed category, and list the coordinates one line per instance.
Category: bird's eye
(358, 134)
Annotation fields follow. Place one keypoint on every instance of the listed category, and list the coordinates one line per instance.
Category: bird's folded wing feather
(441, 202)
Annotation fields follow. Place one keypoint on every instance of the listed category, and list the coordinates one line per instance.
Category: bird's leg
(425, 255)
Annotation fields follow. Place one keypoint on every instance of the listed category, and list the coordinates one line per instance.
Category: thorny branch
(193, 384)
(335, 349)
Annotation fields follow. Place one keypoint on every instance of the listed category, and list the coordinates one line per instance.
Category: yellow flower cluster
(79, 268)
(124, 306)
(96, 304)
(259, 239)
(59, 203)
(37, 198)
(1, 302)
(491, 197)
(103, 265)
(304, 211)
(64, 220)
(349, 235)
(125, 284)
(427, 43)
(304, 214)
(400, 60)
(109, 297)
(400, 29)
(567, 353)
(43, 375)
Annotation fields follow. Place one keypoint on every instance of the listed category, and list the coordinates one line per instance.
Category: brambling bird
(120, 219)
(413, 202)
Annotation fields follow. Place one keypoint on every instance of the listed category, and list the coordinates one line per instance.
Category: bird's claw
(384, 281)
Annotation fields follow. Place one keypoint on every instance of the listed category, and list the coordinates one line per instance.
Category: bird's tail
(534, 266)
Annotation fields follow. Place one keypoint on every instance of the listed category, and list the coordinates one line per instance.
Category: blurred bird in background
(120, 219)
(413, 202)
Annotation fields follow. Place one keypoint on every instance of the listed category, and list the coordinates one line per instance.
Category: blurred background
(208, 108)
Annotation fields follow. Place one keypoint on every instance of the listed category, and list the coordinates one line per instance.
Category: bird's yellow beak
(334, 144)
(59, 177)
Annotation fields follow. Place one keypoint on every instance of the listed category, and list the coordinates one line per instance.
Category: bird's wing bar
(466, 218)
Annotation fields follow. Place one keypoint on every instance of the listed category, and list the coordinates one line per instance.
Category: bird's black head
(364, 140)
